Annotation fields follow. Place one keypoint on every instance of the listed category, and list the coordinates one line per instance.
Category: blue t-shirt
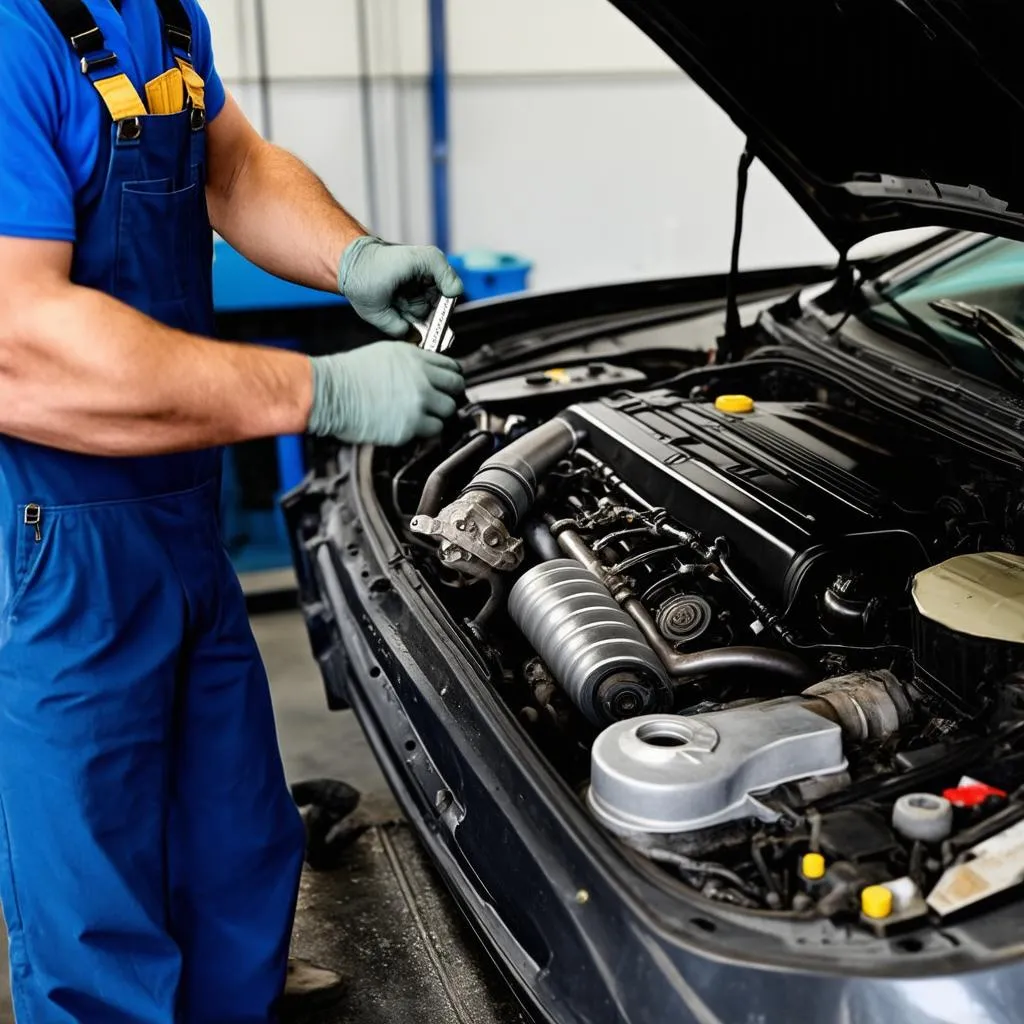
(51, 117)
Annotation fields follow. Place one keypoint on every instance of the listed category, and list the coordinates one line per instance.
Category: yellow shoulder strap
(122, 100)
(194, 84)
(120, 97)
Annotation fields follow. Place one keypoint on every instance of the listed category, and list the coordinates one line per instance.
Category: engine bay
(771, 635)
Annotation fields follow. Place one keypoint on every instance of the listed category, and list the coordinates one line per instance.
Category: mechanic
(149, 848)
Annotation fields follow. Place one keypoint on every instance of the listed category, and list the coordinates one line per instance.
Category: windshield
(990, 274)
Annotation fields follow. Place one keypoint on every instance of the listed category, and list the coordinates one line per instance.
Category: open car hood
(877, 115)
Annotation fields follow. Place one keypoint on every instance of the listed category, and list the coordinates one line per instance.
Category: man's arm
(271, 207)
(276, 212)
(84, 372)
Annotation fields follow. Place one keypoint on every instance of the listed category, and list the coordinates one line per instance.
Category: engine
(777, 643)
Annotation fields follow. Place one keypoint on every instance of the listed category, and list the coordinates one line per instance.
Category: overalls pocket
(157, 243)
(26, 565)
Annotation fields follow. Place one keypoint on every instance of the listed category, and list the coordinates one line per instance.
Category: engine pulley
(684, 617)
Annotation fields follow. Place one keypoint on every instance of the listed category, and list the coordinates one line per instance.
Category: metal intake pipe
(755, 660)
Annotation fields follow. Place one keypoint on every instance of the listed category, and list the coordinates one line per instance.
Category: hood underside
(877, 115)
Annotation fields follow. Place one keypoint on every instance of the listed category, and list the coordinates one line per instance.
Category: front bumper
(583, 935)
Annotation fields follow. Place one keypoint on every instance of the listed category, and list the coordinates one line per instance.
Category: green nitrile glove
(390, 286)
(386, 393)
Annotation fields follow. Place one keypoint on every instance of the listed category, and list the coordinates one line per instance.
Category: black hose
(538, 537)
(443, 478)
(513, 474)
(701, 867)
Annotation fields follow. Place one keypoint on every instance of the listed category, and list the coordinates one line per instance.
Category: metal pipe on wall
(439, 122)
(263, 69)
(366, 103)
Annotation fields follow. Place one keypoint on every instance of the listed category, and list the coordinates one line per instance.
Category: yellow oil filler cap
(813, 866)
(734, 403)
(876, 901)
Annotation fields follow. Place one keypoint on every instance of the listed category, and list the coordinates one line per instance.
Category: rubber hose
(513, 474)
(538, 537)
(442, 482)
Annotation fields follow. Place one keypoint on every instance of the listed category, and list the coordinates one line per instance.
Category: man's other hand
(390, 286)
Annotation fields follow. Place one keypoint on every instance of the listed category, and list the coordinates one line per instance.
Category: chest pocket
(160, 246)
(163, 238)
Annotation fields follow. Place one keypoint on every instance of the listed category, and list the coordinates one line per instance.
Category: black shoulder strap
(177, 25)
(77, 25)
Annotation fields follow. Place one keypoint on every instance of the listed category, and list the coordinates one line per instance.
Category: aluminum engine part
(669, 773)
(868, 705)
(589, 644)
(476, 529)
(474, 539)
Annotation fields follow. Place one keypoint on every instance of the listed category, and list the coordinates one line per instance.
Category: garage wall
(574, 140)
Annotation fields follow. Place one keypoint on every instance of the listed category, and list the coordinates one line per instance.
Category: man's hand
(390, 286)
(385, 393)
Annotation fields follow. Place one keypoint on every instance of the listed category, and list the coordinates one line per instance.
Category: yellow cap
(734, 403)
(876, 901)
(813, 865)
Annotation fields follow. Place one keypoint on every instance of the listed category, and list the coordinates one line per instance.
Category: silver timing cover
(669, 773)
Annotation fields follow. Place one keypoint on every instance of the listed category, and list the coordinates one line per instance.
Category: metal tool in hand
(435, 334)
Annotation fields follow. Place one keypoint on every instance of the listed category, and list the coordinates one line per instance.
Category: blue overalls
(149, 849)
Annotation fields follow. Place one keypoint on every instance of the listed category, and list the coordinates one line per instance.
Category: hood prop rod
(728, 344)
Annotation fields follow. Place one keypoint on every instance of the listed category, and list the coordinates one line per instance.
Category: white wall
(574, 140)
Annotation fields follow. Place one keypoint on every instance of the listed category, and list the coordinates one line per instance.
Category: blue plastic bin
(488, 274)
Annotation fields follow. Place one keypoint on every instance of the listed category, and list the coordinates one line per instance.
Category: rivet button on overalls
(149, 849)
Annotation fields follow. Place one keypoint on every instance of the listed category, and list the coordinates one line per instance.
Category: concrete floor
(380, 918)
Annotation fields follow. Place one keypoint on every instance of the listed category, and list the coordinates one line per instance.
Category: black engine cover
(800, 491)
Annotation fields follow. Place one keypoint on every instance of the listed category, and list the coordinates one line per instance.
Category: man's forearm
(279, 214)
(84, 372)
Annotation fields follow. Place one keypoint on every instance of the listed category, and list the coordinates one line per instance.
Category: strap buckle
(177, 37)
(129, 130)
(79, 45)
(197, 119)
(105, 59)
(89, 46)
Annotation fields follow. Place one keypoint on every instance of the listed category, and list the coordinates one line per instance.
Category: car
(694, 646)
